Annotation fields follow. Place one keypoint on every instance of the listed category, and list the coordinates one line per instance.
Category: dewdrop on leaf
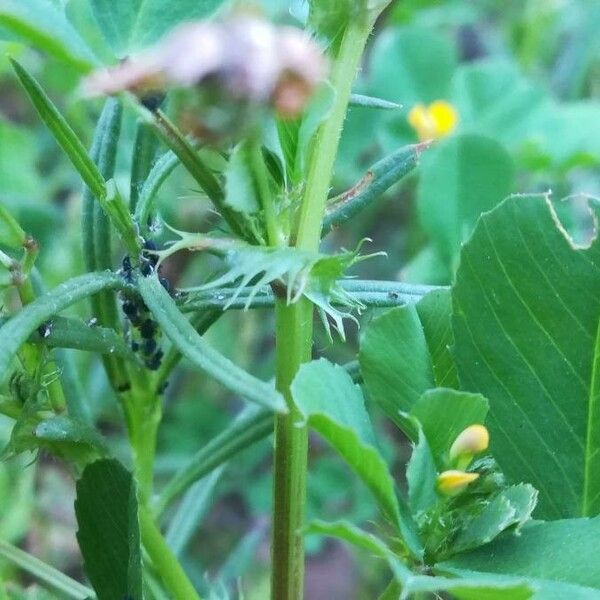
(453, 482)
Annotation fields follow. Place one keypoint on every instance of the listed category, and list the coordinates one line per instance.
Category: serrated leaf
(444, 413)
(44, 25)
(109, 533)
(526, 309)
(300, 272)
(333, 405)
(421, 475)
(512, 506)
(460, 179)
(546, 552)
(130, 26)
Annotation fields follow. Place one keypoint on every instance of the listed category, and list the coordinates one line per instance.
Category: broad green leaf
(109, 532)
(394, 360)
(411, 65)
(512, 506)
(558, 551)
(50, 576)
(435, 314)
(16, 331)
(240, 187)
(471, 588)
(421, 475)
(526, 308)
(44, 25)
(444, 413)
(460, 179)
(191, 345)
(333, 405)
(130, 26)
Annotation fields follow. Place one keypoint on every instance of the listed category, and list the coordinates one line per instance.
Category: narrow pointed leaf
(179, 330)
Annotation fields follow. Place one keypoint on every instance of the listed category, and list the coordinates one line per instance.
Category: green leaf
(240, 188)
(372, 102)
(526, 308)
(347, 532)
(11, 233)
(395, 362)
(410, 65)
(105, 192)
(130, 26)
(444, 413)
(333, 405)
(179, 330)
(435, 314)
(50, 576)
(378, 179)
(70, 440)
(460, 179)
(421, 475)
(558, 551)
(299, 272)
(512, 506)
(44, 25)
(16, 331)
(109, 532)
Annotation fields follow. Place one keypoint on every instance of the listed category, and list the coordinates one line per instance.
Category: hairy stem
(294, 331)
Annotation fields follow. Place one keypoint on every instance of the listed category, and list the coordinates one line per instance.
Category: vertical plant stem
(164, 561)
(294, 332)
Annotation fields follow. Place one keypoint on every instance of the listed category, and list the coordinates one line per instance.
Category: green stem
(164, 561)
(294, 328)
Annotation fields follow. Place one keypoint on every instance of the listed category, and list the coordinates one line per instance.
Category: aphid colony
(144, 333)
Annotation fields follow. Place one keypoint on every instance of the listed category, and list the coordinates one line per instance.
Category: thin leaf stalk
(294, 333)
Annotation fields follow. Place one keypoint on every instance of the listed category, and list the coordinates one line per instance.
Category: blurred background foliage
(524, 79)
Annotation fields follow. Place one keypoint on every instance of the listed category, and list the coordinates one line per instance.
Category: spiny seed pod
(248, 59)
(470, 441)
(453, 482)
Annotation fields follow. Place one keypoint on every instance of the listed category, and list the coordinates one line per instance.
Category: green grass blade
(183, 335)
(372, 102)
(144, 151)
(251, 427)
(16, 331)
(105, 193)
(45, 573)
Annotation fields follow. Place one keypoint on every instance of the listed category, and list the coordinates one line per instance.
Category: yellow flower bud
(453, 482)
(472, 440)
(434, 121)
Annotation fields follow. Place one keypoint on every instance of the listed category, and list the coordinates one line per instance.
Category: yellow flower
(434, 121)
(451, 483)
(471, 441)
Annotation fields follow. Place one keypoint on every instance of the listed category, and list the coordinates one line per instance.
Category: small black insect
(153, 363)
(148, 347)
(124, 387)
(129, 308)
(45, 329)
(134, 346)
(148, 328)
(127, 269)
